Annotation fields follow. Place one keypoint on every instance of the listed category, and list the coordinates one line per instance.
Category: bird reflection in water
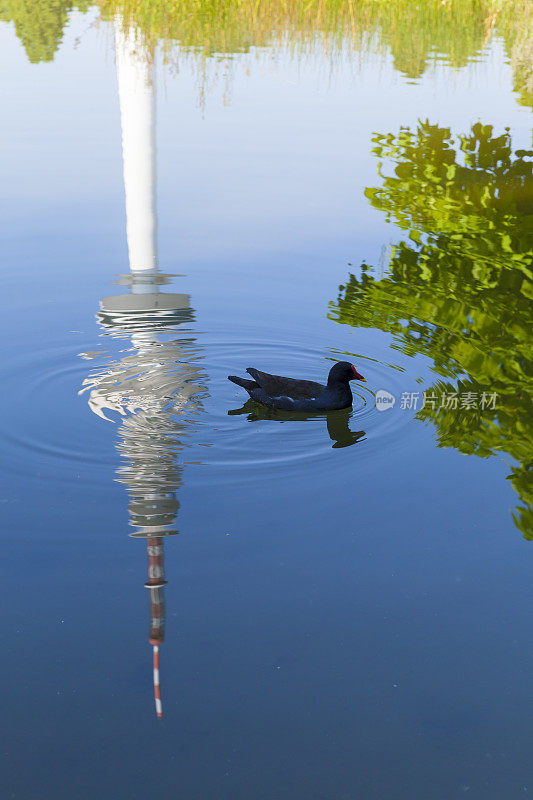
(337, 421)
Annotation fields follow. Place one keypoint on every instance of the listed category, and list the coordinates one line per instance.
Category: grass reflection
(416, 34)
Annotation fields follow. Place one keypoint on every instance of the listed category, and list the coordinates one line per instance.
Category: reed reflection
(415, 35)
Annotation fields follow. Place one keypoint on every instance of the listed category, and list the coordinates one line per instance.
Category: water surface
(347, 606)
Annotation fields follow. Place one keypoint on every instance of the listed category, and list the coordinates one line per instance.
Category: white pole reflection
(153, 383)
(136, 89)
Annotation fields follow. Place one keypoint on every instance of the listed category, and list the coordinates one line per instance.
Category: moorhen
(290, 394)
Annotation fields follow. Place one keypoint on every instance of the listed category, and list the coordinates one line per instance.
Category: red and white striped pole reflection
(155, 583)
(157, 690)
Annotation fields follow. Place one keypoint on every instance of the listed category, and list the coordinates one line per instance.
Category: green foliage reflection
(452, 31)
(460, 288)
(39, 24)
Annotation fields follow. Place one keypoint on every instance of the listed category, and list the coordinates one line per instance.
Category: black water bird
(291, 394)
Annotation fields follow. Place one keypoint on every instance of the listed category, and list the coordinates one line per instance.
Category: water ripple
(176, 395)
(247, 437)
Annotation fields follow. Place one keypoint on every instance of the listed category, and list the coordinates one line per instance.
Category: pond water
(345, 611)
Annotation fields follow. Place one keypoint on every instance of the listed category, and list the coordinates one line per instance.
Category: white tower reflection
(136, 90)
(155, 384)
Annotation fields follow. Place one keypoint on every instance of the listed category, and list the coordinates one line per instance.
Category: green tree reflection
(39, 24)
(459, 290)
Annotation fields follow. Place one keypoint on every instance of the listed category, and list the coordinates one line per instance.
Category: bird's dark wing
(277, 386)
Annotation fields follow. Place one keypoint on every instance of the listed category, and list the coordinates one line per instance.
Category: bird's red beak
(357, 375)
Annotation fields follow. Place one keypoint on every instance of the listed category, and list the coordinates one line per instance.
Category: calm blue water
(341, 622)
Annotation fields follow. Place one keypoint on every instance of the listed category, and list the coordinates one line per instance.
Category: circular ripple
(45, 430)
(243, 436)
(49, 429)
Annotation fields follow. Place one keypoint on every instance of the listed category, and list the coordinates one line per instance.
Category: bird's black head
(342, 372)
